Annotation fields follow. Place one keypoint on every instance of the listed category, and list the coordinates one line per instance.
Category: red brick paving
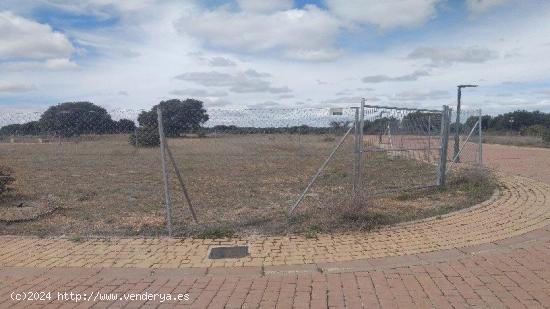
(514, 273)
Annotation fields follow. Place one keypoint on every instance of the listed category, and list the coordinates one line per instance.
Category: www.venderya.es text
(45, 296)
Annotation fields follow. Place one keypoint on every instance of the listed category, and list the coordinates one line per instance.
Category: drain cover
(228, 252)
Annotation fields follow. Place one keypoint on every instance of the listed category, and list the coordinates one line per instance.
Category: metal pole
(319, 172)
(168, 202)
(356, 150)
(360, 145)
(182, 184)
(429, 138)
(457, 125)
(442, 168)
(480, 152)
(136, 136)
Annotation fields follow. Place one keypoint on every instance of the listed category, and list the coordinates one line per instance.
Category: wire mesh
(465, 145)
(82, 167)
(243, 168)
(401, 148)
(252, 164)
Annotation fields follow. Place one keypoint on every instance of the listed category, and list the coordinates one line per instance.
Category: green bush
(146, 137)
(6, 178)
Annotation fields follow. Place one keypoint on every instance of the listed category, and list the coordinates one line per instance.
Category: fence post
(167, 200)
(457, 127)
(480, 151)
(360, 146)
(429, 138)
(136, 137)
(442, 168)
(355, 150)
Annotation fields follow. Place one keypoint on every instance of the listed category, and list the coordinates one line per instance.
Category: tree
(11, 129)
(178, 116)
(146, 137)
(125, 126)
(28, 128)
(76, 118)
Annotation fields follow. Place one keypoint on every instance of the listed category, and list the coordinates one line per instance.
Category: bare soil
(515, 140)
(241, 184)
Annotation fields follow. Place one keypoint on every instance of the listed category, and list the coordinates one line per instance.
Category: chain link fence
(242, 170)
(402, 146)
(84, 169)
(466, 138)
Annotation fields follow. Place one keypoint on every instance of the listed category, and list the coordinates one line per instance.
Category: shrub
(478, 183)
(146, 137)
(6, 178)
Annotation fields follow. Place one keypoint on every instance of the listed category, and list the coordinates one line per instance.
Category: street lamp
(457, 123)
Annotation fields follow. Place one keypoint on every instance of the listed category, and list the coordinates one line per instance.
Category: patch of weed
(312, 231)
(216, 232)
(76, 238)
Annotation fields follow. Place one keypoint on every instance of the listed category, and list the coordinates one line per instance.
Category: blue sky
(281, 53)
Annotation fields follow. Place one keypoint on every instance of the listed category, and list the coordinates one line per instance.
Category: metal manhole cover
(228, 252)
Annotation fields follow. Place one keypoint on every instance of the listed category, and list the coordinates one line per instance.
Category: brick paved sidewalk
(511, 273)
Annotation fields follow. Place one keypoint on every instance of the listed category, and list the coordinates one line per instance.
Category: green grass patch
(216, 232)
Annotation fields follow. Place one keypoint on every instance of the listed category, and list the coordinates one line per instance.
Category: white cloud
(384, 14)
(22, 38)
(402, 78)
(265, 6)
(349, 100)
(11, 87)
(249, 81)
(301, 34)
(480, 6)
(221, 62)
(437, 56)
(200, 93)
(60, 64)
(126, 56)
(413, 95)
(55, 64)
(313, 55)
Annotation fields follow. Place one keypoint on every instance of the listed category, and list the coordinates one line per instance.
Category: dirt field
(515, 140)
(526, 161)
(243, 184)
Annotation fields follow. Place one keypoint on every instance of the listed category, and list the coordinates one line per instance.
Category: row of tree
(70, 119)
(518, 122)
(80, 118)
(187, 116)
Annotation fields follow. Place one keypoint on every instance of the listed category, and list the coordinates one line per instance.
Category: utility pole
(457, 123)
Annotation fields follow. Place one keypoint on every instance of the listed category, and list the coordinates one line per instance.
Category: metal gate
(399, 148)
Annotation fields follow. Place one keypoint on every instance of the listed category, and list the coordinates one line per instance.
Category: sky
(275, 54)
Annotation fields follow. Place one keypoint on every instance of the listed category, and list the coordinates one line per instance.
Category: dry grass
(238, 184)
(516, 140)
